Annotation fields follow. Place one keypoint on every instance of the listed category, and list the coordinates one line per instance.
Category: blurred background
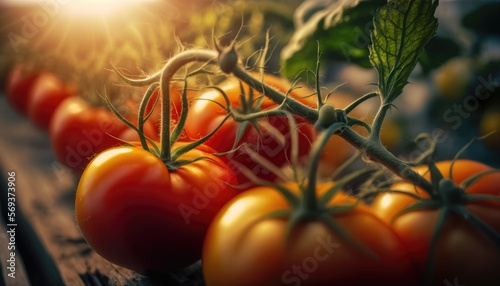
(454, 92)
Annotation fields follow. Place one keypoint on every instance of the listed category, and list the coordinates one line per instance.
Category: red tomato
(19, 87)
(241, 250)
(130, 134)
(47, 93)
(462, 251)
(79, 131)
(136, 213)
(204, 115)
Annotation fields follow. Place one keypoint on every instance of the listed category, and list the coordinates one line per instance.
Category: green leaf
(402, 28)
(340, 28)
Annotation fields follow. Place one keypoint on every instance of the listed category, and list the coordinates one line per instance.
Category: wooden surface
(49, 247)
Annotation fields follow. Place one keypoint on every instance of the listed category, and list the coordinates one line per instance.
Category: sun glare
(82, 7)
(102, 7)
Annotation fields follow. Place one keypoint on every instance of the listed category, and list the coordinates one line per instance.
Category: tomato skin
(19, 86)
(204, 116)
(47, 94)
(238, 250)
(130, 134)
(79, 131)
(462, 250)
(136, 213)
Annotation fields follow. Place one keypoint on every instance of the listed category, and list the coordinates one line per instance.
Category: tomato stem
(310, 198)
(177, 131)
(137, 82)
(165, 118)
(242, 117)
(318, 89)
(372, 148)
(378, 153)
(142, 110)
(378, 121)
(169, 70)
(360, 100)
(292, 106)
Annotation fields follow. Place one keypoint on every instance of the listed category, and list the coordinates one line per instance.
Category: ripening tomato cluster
(36, 94)
(170, 204)
(242, 248)
(155, 214)
(78, 130)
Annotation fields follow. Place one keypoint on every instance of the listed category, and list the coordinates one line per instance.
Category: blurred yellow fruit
(391, 134)
(452, 79)
(491, 123)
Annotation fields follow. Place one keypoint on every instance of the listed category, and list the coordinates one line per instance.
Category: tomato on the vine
(79, 131)
(243, 247)
(46, 95)
(462, 251)
(19, 86)
(136, 213)
(272, 141)
(388, 204)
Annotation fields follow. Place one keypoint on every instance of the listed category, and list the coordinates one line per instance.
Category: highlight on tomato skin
(243, 247)
(136, 213)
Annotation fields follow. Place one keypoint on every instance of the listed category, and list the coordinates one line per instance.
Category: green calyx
(300, 211)
(450, 193)
(162, 80)
(307, 205)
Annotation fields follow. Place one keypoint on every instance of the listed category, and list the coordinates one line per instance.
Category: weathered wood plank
(45, 196)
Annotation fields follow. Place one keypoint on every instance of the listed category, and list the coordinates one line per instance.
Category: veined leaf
(401, 30)
(340, 28)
